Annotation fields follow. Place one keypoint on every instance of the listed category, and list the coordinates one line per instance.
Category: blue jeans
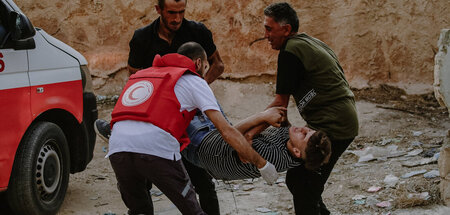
(199, 127)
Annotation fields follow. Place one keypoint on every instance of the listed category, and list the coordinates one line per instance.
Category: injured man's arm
(284, 147)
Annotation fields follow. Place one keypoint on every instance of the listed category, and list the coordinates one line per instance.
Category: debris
(280, 180)
(248, 187)
(358, 197)
(281, 185)
(430, 152)
(156, 199)
(250, 181)
(100, 204)
(424, 196)
(374, 189)
(366, 158)
(416, 143)
(420, 162)
(360, 202)
(390, 180)
(371, 201)
(377, 153)
(414, 152)
(387, 141)
(384, 204)
(234, 187)
(413, 173)
(243, 194)
(104, 149)
(431, 174)
(436, 156)
(263, 210)
(417, 133)
(94, 198)
(109, 213)
(155, 192)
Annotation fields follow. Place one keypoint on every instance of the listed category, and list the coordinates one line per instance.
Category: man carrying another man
(310, 71)
(150, 121)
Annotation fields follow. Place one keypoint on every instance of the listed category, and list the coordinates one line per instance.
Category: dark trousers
(307, 186)
(204, 187)
(135, 172)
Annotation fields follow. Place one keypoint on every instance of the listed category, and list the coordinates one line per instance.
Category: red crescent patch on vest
(137, 93)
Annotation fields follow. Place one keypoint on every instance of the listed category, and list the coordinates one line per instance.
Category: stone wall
(377, 41)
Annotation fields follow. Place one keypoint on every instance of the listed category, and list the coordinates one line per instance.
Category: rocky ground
(392, 124)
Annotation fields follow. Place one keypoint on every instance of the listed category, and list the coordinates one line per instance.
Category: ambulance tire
(40, 174)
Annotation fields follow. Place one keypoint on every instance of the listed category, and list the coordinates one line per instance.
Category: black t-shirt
(310, 71)
(146, 43)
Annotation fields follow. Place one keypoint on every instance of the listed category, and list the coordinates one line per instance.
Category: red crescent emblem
(130, 96)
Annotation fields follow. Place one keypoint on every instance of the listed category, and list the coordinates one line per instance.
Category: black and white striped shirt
(222, 161)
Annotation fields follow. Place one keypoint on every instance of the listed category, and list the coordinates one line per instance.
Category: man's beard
(168, 26)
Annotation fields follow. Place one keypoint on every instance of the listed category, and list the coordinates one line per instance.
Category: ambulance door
(15, 113)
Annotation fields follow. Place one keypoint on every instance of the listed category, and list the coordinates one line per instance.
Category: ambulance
(47, 112)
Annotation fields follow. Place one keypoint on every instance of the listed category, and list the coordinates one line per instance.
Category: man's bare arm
(217, 67)
(233, 137)
(280, 100)
(271, 116)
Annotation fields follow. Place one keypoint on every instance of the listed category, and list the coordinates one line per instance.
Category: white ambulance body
(47, 110)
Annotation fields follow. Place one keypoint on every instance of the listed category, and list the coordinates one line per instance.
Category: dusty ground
(388, 117)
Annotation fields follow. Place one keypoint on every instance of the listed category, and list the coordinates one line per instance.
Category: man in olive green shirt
(309, 71)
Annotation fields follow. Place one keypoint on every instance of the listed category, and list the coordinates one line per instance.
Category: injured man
(284, 147)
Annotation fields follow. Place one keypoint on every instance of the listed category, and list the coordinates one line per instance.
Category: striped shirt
(222, 161)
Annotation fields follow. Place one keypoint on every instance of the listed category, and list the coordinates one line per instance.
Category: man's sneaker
(103, 129)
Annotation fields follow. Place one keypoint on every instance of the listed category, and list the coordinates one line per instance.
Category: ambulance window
(3, 27)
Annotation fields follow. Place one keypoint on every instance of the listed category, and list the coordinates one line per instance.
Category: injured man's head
(314, 147)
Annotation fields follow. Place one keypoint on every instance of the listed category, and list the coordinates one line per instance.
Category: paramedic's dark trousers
(204, 187)
(307, 186)
(133, 170)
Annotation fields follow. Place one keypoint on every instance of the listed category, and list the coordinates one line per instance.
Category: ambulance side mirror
(21, 27)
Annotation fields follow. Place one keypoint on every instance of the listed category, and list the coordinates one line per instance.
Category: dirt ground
(388, 118)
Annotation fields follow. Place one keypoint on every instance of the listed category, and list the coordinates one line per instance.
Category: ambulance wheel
(40, 173)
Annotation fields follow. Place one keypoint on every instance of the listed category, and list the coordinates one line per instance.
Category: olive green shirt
(310, 71)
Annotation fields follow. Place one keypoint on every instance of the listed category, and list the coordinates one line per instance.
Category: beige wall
(377, 41)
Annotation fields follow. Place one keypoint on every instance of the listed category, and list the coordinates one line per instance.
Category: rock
(384, 204)
(358, 197)
(390, 180)
(417, 133)
(263, 210)
(416, 143)
(431, 174)
(414, 173)
(248, 187)
(424, 196)
(444, 170)
(374, 189)
(420, 162)
(414, 152)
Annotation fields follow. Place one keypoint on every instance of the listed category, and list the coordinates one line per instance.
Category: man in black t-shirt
(165, 35)
(310, 71)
